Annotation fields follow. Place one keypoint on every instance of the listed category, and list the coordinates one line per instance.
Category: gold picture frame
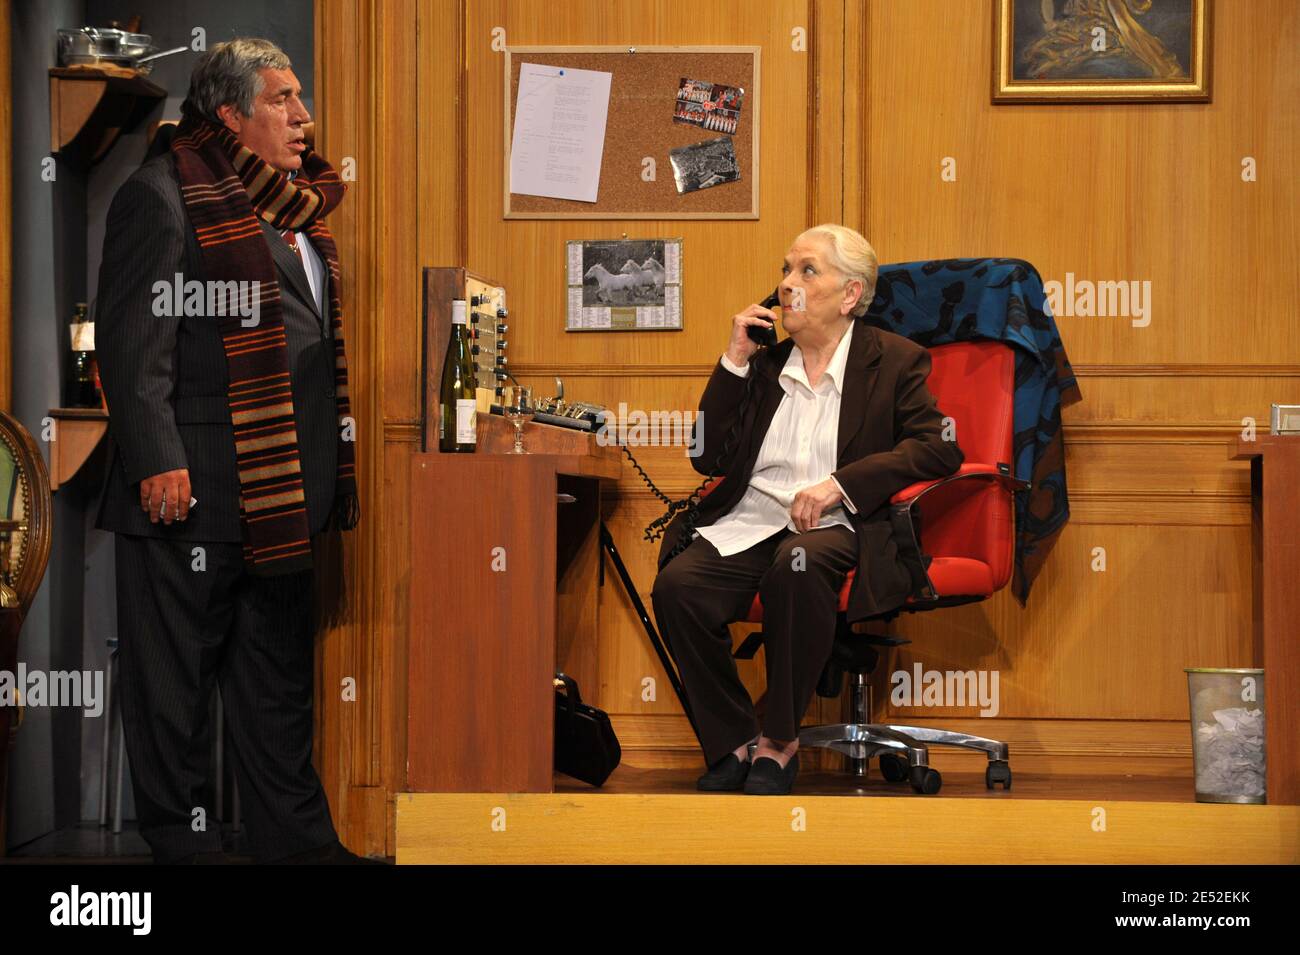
(1100, 51)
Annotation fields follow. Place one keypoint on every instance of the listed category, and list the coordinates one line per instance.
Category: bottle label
(83, 336)
(466, 421)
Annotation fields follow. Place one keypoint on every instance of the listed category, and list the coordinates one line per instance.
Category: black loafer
(767, 778)
(726, 775)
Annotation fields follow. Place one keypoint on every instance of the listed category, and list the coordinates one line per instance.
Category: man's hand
(175, 485)
(740, 349)
(811, 502)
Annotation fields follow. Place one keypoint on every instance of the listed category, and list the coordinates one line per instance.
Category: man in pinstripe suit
(190, 612)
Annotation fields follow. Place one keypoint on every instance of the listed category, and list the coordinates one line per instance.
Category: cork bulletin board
(643, 90)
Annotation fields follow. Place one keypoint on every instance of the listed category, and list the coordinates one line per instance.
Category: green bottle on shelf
(458, 417)
(81, 389)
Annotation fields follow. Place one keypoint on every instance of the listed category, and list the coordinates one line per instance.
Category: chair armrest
(904, 519)
(1001, 473)
(709, 486)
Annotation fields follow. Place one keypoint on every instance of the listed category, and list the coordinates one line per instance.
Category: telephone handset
(766, 336)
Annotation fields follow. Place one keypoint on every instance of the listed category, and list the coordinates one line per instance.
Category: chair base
(903, 750)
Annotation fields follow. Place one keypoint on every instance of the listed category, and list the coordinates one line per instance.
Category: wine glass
(517, 401)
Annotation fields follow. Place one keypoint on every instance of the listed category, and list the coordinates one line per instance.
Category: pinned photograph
(709, 106)
(623, 273)
(705, 165)
(623, 286)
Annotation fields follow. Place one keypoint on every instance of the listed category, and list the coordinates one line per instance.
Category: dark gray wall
(58, 237)
(49, 277)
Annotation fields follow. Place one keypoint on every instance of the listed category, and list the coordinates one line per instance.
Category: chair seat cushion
(960, 577)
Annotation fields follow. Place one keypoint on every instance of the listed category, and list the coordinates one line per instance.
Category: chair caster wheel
(997, 772)
(893, 768)
(926, 780)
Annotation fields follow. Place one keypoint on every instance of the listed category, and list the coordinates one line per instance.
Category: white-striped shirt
(314, 266)
(799, 450)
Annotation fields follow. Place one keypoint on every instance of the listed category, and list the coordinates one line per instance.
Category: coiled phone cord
(691, 503)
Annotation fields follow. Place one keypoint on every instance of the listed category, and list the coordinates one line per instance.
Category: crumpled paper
(1230, 753)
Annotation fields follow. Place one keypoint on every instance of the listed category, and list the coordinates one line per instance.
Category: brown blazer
(889, 437)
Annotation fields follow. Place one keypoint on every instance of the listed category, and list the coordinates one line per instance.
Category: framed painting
(1094, 51)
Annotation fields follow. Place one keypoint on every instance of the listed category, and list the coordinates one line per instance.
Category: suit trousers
(799, 577)
(187, 620)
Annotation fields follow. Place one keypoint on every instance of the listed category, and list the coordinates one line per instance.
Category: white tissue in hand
(1230, 753)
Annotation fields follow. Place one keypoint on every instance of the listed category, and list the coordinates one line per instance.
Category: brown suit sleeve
(920, 453)
(719, 411)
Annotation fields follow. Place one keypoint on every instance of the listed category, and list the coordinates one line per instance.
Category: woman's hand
(740, 349)
(811, 502)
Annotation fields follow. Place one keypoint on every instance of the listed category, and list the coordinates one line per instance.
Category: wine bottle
(457, 419)
(82, 383)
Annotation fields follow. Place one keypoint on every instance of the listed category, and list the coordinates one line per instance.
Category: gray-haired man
(222, 359)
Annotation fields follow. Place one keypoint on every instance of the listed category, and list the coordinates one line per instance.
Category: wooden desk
(503, 593)
(1275, 490)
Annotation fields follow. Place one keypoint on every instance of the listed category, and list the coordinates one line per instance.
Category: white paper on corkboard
(559, 134)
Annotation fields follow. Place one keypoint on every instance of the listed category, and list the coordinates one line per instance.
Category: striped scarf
(227, 188)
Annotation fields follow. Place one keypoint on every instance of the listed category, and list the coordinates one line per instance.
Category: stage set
(1076, 645)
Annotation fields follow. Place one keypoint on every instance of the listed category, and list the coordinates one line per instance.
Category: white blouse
(799, 450)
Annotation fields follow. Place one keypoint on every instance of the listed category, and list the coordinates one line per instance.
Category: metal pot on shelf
(94, 45)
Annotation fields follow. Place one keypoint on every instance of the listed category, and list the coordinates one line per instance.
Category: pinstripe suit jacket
(165, 378)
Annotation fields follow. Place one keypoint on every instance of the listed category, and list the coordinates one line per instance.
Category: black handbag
(585, 745)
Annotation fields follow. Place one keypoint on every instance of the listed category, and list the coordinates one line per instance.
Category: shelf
(90, 109)
(79, 431)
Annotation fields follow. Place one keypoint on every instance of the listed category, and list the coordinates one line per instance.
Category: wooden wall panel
(1188, 395)
(1108, 192)
(1096, 644)
(373, 60)
(347, 92)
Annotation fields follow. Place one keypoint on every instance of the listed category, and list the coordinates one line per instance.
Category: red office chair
(968, 541)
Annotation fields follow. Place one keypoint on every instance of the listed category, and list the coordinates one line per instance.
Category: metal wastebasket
(1227, 708)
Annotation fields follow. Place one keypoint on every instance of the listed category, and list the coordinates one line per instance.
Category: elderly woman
(812, 436)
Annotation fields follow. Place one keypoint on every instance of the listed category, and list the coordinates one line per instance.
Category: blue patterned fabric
(954, 300)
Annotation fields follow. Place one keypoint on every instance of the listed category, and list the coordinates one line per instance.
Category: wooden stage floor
(656, 816)
(964, 785)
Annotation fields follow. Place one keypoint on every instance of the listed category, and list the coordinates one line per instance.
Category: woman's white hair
(852, 256)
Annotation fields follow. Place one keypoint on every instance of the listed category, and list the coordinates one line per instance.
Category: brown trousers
(699, 592)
